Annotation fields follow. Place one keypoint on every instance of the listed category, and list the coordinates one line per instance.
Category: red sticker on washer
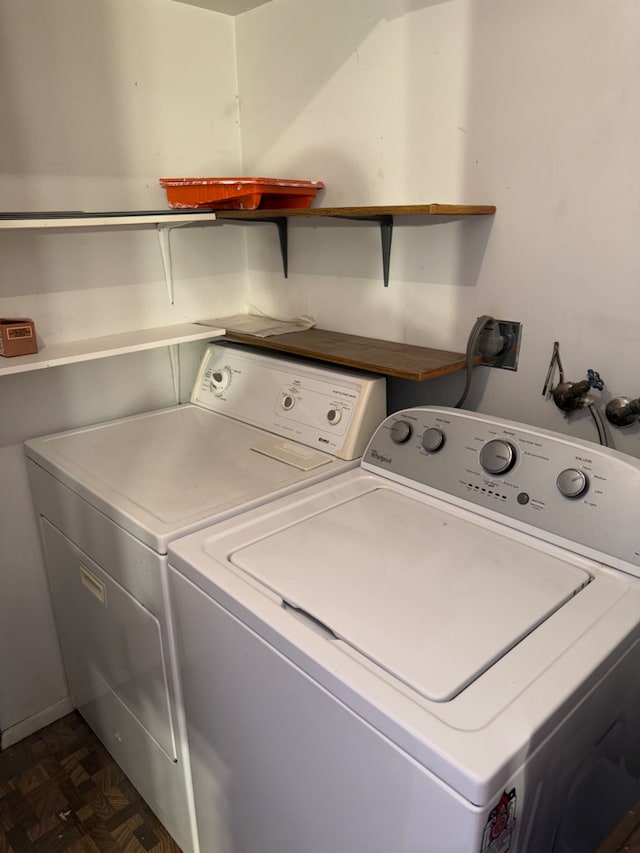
(501, 823)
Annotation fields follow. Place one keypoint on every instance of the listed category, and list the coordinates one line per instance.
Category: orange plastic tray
(240, 193)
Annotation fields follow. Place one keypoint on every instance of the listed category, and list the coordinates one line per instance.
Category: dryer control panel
(332, 410)
(563, 488)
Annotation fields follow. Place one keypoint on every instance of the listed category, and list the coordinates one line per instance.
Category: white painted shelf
(54, 355)
(80, 219)
(162, 220)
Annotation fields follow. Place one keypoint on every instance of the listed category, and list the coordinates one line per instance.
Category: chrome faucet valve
(622, 412)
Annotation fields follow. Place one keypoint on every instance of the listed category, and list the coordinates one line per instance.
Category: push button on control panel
(334, 416)
(288, 401)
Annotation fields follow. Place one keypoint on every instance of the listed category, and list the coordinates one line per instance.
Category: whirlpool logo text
(379, 457)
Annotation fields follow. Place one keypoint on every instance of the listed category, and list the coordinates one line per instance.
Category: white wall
(533, 106)
(98, 100)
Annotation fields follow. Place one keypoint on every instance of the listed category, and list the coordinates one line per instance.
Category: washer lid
(431, 597)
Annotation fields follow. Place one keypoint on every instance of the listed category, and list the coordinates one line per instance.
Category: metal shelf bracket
(163, 232)
(165, 252)
(281, 224)
(385, 221)
(386, 233)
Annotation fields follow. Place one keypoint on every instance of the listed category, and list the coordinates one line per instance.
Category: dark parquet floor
(61, 792)
(626, 837)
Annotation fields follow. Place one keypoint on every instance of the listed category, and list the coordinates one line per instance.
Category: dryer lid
(163, 474)
(431, 596)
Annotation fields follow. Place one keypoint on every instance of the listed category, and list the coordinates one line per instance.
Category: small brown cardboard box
(17, 336)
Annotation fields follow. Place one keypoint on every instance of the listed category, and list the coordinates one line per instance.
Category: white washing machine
(110, 498)
(437, 652)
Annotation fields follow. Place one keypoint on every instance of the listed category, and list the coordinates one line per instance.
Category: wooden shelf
(382, 215)
(385, 357)
(54, 355)
(364, 213)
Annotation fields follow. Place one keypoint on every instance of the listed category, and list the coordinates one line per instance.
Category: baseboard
(33, 724)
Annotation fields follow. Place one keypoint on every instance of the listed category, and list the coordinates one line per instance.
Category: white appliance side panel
(142, 573)
(587, 775)
(165, 473)
(130, 562)
(280, 766)
(434, 600)
(108, 639)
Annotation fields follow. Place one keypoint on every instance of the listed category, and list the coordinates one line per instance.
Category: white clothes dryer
(110, 497)
(438, 652)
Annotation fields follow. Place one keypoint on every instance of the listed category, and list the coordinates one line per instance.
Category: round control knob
(433, 439)
(400, 432)
(288, 401)
(219, 380)
(572, 482)
(498, 456)
(334, 416)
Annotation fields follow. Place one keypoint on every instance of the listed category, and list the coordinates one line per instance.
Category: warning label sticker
(501, 823)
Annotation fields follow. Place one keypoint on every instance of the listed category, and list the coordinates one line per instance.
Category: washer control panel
(576, 490)
(323, 407)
